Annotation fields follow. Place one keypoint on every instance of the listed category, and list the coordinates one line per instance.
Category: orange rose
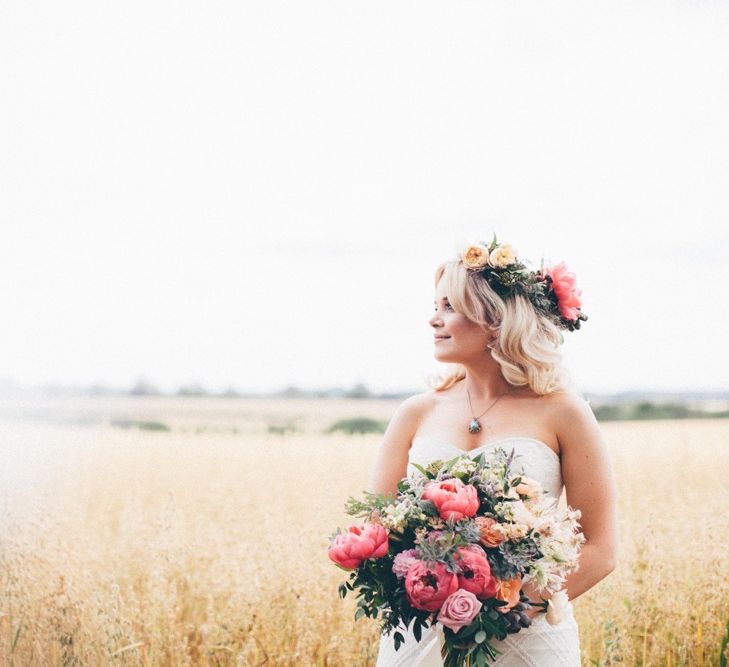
(475, 256)
(502, 256)
(508, 590)
(491, 536)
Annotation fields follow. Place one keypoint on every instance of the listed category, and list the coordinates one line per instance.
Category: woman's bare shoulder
(567, 404)
(572, 418)
(415, 407)
(392, 458)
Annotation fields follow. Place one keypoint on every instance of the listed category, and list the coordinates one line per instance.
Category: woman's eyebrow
(443, 298)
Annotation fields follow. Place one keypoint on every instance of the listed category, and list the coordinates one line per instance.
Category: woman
(501, 323)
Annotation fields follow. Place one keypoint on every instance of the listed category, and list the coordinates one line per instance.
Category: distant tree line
(650, 410)
(620, 406)
(358, 391)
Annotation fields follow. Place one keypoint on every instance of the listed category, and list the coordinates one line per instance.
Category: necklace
(475, 426)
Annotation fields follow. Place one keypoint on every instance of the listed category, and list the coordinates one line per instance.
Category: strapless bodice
(533, 457)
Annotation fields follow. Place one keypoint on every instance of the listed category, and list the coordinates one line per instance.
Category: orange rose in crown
(453, 499)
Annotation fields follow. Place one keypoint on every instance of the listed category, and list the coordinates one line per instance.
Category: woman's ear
(492, 338)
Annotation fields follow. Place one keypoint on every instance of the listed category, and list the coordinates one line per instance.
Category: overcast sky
(254, 194)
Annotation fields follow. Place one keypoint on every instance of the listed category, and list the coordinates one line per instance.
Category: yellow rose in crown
(475, 256)
(502, 256)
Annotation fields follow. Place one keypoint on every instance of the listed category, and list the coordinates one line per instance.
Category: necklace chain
(474, 426)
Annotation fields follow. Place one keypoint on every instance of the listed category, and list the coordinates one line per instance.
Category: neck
(485, 382)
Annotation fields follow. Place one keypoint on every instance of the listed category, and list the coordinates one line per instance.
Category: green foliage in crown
(551, 290)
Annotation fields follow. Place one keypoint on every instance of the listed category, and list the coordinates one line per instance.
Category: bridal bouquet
(455, 546)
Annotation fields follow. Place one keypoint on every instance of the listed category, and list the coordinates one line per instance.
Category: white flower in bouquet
(557, 608)
(503, 511)
(577, 540)
(464, 466)
(545, 525)
(544, 575)
(546, 505)
(521, 514)
(538, 574)
(573, 514)
(555, 550)
(515, 531)
(395, 517)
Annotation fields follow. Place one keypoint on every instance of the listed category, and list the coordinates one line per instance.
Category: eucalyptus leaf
(421, 469)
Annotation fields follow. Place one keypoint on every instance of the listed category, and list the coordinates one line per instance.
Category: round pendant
(474, 426)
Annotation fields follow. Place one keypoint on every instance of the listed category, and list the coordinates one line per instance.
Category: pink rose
(452, 498)
(475, 574)
(564, 285)
(428, 585)
(459, 610)
(359, 543)
(403, 561)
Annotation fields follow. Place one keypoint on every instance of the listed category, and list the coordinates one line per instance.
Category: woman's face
(456, 338)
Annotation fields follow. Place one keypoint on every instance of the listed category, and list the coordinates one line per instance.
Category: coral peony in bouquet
(455, 547)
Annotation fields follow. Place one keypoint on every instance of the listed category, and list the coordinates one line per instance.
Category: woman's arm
(589, 480)
(392, 458)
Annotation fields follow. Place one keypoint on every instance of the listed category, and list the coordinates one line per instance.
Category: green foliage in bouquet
(412, 539)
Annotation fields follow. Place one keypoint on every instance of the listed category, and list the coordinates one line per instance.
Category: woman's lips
(440, 338)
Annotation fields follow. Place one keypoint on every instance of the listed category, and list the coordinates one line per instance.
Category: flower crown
(552, 291)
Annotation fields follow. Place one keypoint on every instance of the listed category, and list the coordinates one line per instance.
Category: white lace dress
(539, 645)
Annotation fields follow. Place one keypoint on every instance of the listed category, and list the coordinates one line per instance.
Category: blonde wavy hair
(527, 344)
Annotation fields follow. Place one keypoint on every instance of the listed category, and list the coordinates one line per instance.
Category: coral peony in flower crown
(551, 290)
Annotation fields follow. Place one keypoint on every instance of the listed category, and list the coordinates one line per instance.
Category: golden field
(206, 544)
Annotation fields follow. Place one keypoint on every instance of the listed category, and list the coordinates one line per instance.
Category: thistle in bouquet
(455, 546)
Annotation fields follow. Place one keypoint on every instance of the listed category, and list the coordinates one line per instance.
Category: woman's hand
(533, 612)
(530, 591)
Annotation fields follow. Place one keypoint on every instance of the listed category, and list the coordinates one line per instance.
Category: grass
(209, 549)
